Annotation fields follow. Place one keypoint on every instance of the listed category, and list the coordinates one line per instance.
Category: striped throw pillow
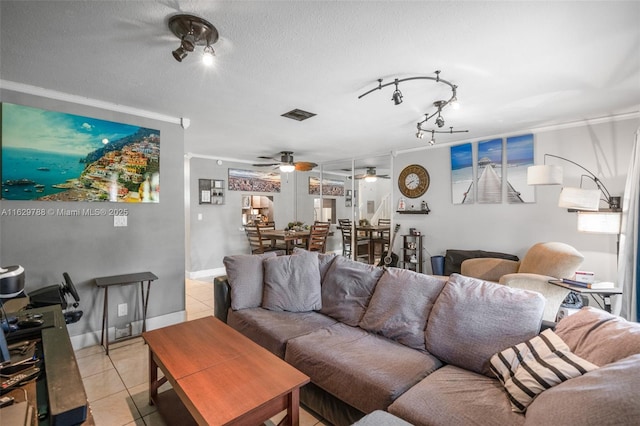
(531, 367)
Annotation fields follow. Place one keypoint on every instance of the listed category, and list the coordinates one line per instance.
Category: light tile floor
(117, 385)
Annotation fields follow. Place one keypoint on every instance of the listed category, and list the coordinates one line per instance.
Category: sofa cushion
(531, 367)
(272, 329)
(381, 418)
(455, 396)
(364, 370)
(292, 283)
(400, 305)
(245, 276)
(488, 317)
(606, 396)
(598, 336)
(347, 289)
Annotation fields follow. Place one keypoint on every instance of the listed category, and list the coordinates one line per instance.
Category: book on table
(598, 285)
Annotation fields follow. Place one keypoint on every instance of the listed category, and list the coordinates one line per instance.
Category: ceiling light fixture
(287, 168)
(193, 31)
(440, 104)
(432, 141)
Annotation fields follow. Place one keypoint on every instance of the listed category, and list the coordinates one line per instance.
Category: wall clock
(413, 181)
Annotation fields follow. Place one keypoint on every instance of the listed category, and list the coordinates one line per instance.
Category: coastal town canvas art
(55, 156)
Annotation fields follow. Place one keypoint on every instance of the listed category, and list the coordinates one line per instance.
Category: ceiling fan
(286, 163)
(371, 176)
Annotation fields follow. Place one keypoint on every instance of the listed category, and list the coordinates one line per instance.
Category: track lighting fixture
(432, 141)
(193, 31)
(396, 97)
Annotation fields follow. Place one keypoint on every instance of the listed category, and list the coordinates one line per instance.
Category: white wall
(513, 228)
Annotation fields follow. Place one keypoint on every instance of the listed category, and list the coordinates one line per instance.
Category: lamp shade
(603, 222)
(544, 175)
(579, 199)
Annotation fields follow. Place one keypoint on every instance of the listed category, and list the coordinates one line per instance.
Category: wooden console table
(126, 279)
(219, 376)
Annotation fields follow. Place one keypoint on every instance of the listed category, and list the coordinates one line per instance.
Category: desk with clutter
(40, 379)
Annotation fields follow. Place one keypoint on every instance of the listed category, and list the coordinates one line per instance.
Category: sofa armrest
(221, 298)
(488, 268)
(553, 294)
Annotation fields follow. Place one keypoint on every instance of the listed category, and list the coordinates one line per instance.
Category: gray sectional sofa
(405, 347)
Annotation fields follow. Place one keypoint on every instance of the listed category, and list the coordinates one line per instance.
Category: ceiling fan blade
(304, 166)
(268, 158)
(266, 164)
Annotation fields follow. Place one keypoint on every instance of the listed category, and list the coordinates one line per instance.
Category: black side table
(604, 293)
(126, 279)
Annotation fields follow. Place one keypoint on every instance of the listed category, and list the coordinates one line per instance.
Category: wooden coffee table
(219, 376)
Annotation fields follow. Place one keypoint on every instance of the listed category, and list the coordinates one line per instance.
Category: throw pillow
(485, 316)
(529, 368)
(244, 273)
(400, 306)
(292, 283)
(324, 260)
(347, 289)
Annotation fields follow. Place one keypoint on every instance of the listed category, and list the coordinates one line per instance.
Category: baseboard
(93, 338)
(216, 272)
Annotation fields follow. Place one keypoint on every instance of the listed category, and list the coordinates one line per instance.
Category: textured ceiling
(519, 66)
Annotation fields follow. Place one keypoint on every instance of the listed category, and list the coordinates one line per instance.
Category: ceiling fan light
(287, 168)
(370, 179)
(207, 56)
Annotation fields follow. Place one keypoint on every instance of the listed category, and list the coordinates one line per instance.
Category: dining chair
(268, 243)
(382, 238)
(255, 240)
(362, 243)
(318, 237)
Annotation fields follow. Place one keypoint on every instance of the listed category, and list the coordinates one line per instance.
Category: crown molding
(61, 96)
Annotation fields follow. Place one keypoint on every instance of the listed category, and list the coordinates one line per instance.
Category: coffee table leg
(153, 378)
(293, 409)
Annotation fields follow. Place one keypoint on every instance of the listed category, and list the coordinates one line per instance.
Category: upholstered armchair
(543, 262)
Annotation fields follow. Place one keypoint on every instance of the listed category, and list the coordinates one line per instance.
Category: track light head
(440, 121)
(419, 134)
(207, 56)
(179, 54)
(397, 95)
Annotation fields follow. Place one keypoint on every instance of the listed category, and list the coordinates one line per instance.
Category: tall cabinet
(412, 252)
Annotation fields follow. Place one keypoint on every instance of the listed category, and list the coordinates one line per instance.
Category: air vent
(298, 114)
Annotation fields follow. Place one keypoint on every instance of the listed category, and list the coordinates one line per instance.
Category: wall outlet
(123, 332)
(122, 309)
(120, 221)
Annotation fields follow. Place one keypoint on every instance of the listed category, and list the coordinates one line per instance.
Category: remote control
(17, 379)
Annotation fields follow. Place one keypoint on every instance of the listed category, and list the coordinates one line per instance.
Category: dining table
(291, 238)
(373, 232)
